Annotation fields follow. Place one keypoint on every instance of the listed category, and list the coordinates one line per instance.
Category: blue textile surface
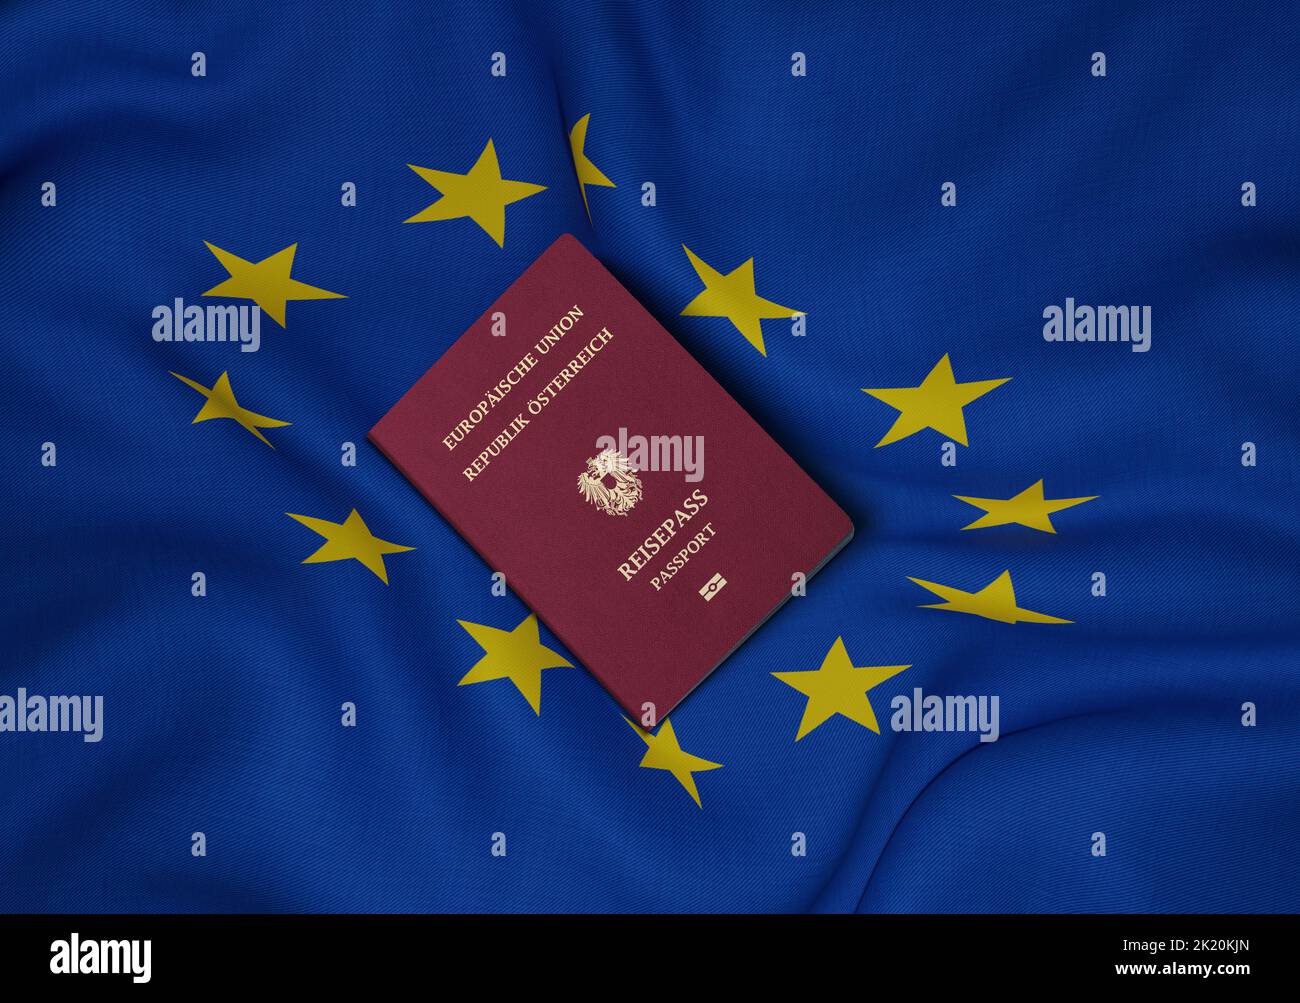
(222, 712)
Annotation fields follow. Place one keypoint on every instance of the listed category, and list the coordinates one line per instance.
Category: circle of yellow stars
(838, 688)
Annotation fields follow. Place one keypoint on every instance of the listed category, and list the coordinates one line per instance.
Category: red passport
(628, 499)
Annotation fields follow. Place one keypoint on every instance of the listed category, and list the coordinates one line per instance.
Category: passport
(629, 501)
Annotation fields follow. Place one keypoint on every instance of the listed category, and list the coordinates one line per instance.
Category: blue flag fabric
(919, 182)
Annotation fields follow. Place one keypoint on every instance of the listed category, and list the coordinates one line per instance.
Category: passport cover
(541, 435)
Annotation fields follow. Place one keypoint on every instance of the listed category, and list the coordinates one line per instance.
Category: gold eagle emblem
(623, 490)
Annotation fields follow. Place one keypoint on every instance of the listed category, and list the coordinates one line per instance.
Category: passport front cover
(628, 499)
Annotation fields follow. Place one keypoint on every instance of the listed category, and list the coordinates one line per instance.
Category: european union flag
(1014, 283)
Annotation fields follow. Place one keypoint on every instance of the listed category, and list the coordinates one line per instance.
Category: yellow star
(663, 753)
(517, 655)
(995, 601)
(482, 194)
(1029, 508)
(350, 539)
(937, 403)
(838, 687)
(732, 296)
(266, 282)
(588, 173)
(221, 403)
